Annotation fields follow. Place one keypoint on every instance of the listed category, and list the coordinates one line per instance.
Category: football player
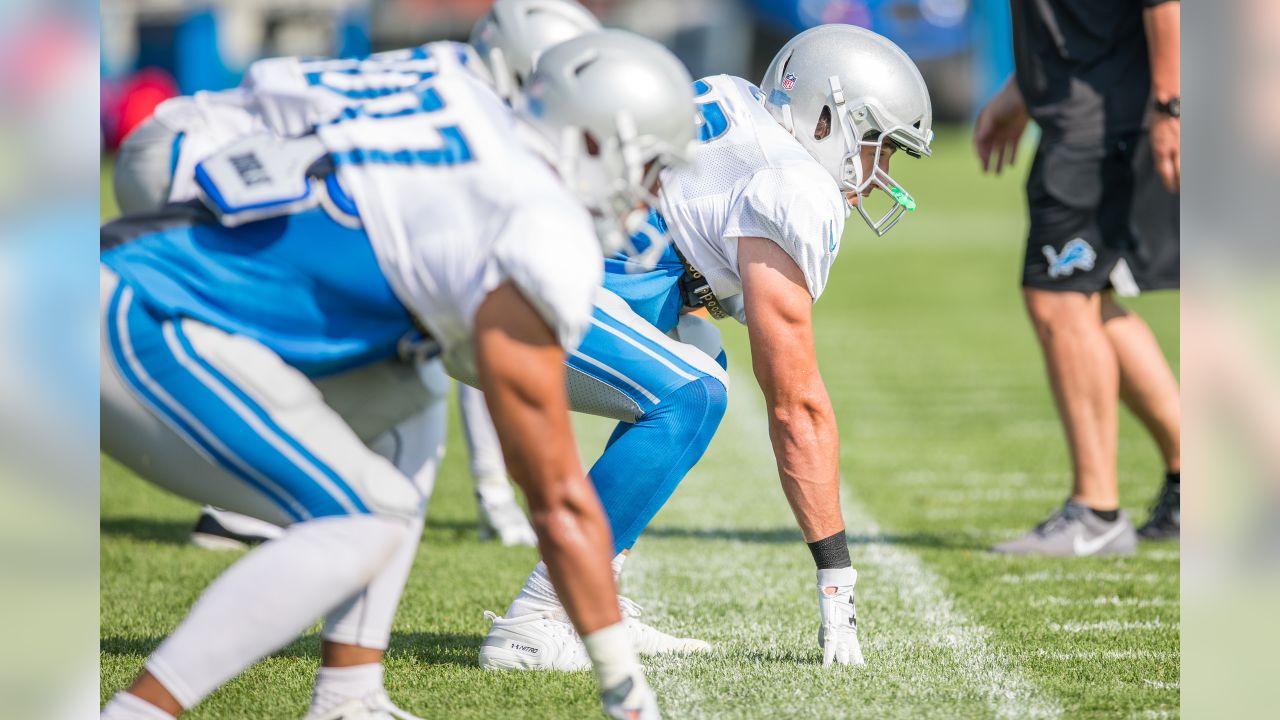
(287, 96)
(434, 213)
(755, 221)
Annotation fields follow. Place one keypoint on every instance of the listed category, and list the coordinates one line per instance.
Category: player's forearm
(806, 445)
(1163, 23)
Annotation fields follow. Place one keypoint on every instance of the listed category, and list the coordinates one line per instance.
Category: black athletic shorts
(1100, 218)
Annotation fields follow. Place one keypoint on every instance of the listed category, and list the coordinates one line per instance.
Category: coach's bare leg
(1147, 384)
(1085, 377)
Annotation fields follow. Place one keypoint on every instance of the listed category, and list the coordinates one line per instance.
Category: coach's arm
(802, 423)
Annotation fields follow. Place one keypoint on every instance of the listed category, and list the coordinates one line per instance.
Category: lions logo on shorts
(1075, 254)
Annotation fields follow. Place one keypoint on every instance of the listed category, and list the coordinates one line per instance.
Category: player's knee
(699, 404)
(387, 492)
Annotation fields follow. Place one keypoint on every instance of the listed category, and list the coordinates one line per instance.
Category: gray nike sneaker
(1074, 531)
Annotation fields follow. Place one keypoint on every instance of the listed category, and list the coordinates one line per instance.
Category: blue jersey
(303, 285)
(652, 294)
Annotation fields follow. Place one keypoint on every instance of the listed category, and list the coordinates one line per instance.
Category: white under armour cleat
(648, 640)
(631, 699)
(375, 706)
(501, 516)
(543, 640)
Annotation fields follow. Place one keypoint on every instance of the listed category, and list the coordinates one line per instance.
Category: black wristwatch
(1172, 107)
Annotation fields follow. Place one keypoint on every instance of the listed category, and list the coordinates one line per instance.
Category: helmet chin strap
(852, 148)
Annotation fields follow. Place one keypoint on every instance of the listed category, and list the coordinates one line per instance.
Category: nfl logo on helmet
(789, 82)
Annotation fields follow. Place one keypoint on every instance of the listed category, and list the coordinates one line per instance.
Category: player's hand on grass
(1166, 137)
(838, 631)
(999, 128)
(632, 699)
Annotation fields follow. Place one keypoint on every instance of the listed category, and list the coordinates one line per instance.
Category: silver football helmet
(512, 35)
(841, 88)
(612, 110)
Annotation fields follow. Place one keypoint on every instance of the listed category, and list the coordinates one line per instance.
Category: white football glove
(631, 699)
(838, 632)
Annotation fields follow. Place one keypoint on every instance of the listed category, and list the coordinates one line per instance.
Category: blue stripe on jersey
(200, 437)
(428, 101)
(265, 418)
(652, 294)
(308, 288)
(454, 151)
(339, 195)
(175, 153)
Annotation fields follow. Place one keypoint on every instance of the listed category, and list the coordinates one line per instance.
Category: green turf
(949, 442)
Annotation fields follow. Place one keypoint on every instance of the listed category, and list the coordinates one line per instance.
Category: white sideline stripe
(1110, 626)
(1008, 693)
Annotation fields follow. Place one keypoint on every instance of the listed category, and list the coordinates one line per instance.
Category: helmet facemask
(863, 126)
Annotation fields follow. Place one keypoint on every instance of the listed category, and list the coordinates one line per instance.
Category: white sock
(537, 594)
(131, 707)
(612, 655)
(336, 685)
(270, 596)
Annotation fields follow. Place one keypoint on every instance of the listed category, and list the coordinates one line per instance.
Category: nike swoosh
(1083, 547)
(831, 235)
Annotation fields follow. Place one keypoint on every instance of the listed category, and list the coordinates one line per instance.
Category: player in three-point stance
(437, 212)
(755, 221)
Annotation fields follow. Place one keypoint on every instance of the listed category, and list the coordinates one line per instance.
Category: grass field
(949, 443)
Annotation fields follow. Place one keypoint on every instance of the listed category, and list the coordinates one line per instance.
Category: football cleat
(648, 640)
(543, 640)
(222, 530)
(1075, 531)
(631, 699)
(501, 516)
(375, 706)
(1165, 522)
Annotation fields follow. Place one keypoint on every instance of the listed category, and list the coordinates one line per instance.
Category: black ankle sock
(1107, 515)
(1172, 479)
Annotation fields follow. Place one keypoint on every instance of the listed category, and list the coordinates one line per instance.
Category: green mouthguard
(904, 198)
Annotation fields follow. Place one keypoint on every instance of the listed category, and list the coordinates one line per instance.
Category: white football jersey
(295, 94)
(454, 205)
(202, 124)
(289, 96)
(750, 178)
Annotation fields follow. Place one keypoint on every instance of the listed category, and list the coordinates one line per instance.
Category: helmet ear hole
(823, 128)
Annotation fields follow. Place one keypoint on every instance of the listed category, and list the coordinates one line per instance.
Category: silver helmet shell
(514, 33)
(614, 110)
(840, 88)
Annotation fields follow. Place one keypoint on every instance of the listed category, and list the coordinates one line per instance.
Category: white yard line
(1111, 626)
(1008, 693)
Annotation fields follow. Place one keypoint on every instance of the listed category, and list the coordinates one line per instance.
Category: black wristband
(831, 553)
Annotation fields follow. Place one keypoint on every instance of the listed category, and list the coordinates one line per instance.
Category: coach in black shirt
(1100, 78)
